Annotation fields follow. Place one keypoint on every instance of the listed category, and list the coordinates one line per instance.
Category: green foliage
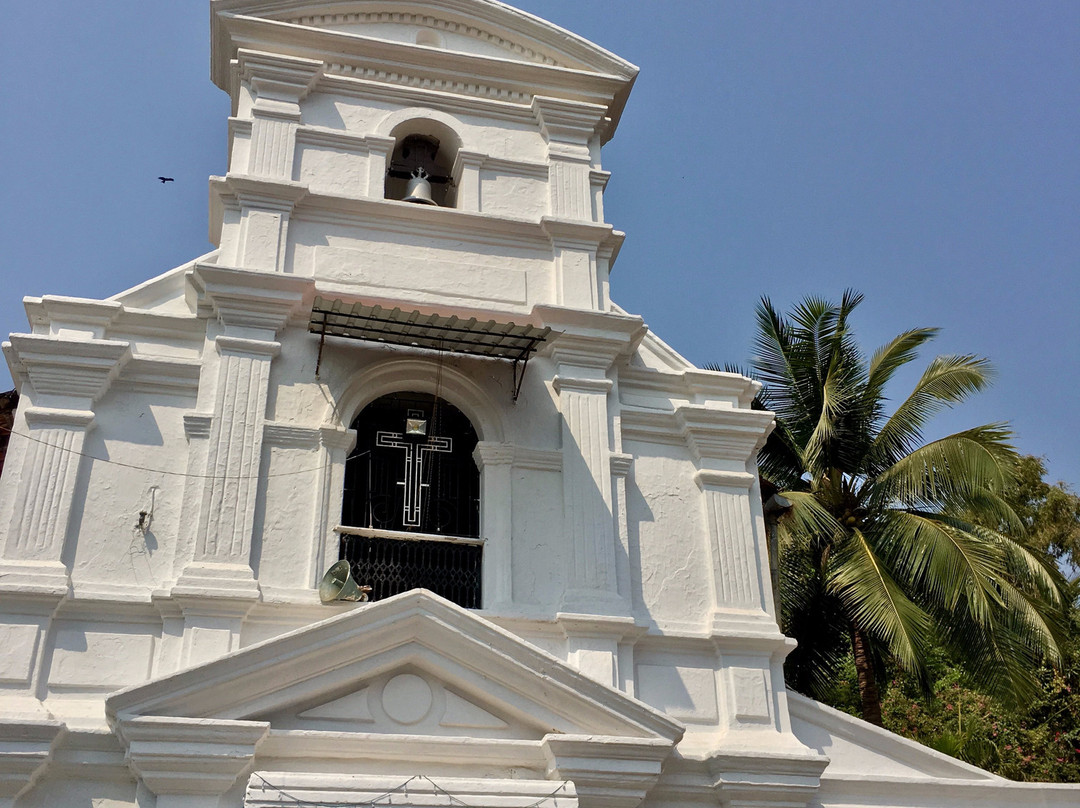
(1038, 741)
(900, 544)
(1050, 513)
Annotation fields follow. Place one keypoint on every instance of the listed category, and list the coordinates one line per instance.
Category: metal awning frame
(435, 332)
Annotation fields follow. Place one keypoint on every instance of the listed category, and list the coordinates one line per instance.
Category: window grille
(392, 565)
(412, 472)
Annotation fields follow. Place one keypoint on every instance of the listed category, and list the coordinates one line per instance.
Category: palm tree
(892, 545)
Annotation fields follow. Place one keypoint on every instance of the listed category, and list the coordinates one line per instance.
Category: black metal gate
(391, 566)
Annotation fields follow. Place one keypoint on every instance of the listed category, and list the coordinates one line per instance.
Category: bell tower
(445, 154)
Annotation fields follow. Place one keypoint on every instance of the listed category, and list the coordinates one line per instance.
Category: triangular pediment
(475, 47)
(414, 664)
(478, 27)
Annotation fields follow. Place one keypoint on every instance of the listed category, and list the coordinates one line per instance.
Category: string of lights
(386, 798)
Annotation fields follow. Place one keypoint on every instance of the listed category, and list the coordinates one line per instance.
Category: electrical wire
(167, 472)
(403, 788)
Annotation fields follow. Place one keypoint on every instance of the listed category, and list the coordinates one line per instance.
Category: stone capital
(607, 772)
(723, 434)
(589, 340)
(251, 300)
(76, 370)
(280, 82)
(190, 756)
(569, 122)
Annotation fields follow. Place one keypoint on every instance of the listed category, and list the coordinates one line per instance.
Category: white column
(737, 584)
(66, 377)
(580, 281)
(223, 542)
(217, 585)
(495, 461)
(261, 189)
(583, 353)
(466, 173)
(568, 127)
(722, 443)
(278, 83)
(587, 494)
(379, 149)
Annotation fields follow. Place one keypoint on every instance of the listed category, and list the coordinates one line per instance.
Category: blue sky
(927, 154)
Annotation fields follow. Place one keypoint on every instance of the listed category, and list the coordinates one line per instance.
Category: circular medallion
(406, 698)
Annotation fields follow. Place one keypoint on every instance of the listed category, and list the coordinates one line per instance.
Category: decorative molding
(608, 772)
(489, 453)
(48, 417)
(708, 479)
(265, 790)
(338, 438)
(538, 459)
(785, 777)
(161, 375)
(415, 80)
(50, 311)
(386, 216)
(339, 139)
(240, 346)
(340, 79)
(567, 122)
(621, 463)
(426, 21)
(246, 299)
(714, 434)
(262, 678)
(580, 385)
(650, 426)
(27, 749)
(190, 756)
(71, 368)
(282, 80)
(291, 436)
(197, 424)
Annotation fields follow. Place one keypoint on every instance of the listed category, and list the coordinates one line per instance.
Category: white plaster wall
(285, 545)
(446, 269)
(668, 551)
(538, 544)
(134, 433)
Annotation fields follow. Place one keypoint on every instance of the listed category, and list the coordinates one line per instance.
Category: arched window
(424, 150)
(411, 508)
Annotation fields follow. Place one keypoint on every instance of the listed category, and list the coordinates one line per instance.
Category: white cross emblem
(413, 483)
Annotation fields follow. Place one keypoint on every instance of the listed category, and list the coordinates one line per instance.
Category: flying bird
(166, 179)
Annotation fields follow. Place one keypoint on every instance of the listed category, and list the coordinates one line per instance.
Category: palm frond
(951, 470)
(947, 380)
(877, 604)
(938, 557)
(892, 356)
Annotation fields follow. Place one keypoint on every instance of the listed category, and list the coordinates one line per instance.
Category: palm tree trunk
(868, 686)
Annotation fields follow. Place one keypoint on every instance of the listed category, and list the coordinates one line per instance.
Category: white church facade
(403, 354)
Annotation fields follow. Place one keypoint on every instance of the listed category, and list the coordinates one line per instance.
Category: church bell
(419, 189)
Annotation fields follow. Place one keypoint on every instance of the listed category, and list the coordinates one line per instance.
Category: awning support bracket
(322, 341)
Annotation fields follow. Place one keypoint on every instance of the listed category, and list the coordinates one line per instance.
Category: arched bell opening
(422, 162)
(411, 507)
